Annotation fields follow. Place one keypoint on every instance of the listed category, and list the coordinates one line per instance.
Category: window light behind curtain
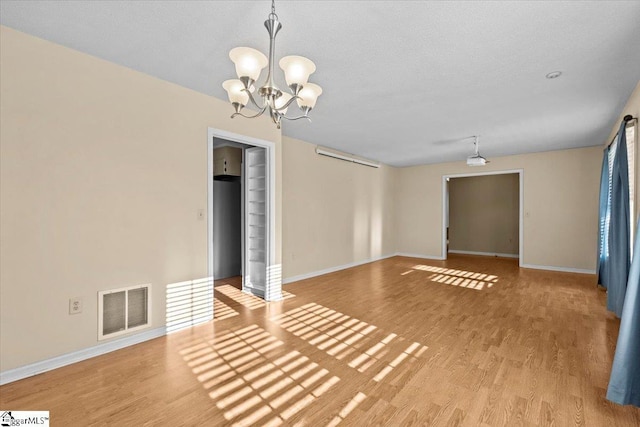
(631, 151)
(631, 154)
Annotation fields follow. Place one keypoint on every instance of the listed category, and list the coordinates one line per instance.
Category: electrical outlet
(75, 305)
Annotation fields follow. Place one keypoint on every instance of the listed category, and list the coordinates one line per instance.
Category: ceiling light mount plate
(553, 75)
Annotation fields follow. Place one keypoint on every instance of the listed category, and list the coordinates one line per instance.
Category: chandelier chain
(273, 9)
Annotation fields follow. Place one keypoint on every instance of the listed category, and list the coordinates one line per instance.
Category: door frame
(445, 197)
(270, 148)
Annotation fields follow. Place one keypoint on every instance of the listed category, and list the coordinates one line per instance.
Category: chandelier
(250, 62)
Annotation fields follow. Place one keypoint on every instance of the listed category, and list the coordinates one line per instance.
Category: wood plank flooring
(399, 342)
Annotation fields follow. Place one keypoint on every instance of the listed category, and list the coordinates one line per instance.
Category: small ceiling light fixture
(554, 75)
(476, 159)
(249, 62)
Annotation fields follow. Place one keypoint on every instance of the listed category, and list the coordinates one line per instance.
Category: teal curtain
(624, 384)
(618, 262)
(603, 220)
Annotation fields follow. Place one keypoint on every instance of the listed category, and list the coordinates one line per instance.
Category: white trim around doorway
(270, 147)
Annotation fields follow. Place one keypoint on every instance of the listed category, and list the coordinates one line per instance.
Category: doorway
(241, 202)
(227, 209)
(483, 214)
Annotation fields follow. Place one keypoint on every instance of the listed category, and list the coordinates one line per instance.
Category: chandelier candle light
(250, 62)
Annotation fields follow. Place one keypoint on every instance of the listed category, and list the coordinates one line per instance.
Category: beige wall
(103, 170)
(484, 214)
(560, 204)
(336, 212)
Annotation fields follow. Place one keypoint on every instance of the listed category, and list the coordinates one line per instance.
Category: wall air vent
(123, 310)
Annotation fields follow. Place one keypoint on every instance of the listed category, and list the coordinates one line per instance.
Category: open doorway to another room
(483, 214)
(227, 211)
(241, 202)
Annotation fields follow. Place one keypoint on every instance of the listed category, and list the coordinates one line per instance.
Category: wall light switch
(75, 305)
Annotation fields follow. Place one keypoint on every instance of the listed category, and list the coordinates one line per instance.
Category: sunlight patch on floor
(372, 355)
(459, 278)
(340, 336)
(287, 295)
(222, 311)
(398, 360)
(353, 404)
(250, 301)
(328, 330)
(252, 378)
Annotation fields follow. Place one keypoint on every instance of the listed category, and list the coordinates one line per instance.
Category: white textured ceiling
(404, 81)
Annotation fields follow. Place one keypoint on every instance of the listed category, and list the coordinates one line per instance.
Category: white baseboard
(494, 254)
(333, 269)
(36, 368)
(562, 269)
(409, 255)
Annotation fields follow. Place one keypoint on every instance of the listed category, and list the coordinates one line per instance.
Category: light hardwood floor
(403, 341)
